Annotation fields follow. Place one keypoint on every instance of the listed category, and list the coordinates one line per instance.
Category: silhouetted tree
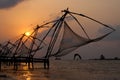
(102, 57)
(116, 58)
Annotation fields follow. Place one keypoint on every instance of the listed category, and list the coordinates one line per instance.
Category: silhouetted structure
(60, 35)
(102, 57)
(77, 56)
(116, 58)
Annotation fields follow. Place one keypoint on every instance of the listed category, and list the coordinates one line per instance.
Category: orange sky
(22, 17)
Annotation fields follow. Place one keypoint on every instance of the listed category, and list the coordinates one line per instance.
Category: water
(67, 70)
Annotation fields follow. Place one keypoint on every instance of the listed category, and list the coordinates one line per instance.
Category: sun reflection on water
(25, 67)
(27, 73)
(28, 78)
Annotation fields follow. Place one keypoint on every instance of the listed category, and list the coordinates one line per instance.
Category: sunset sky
(19, 16)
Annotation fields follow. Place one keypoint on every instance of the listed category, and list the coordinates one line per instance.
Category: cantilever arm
(80, 26)
(93, 20)
(89, 18)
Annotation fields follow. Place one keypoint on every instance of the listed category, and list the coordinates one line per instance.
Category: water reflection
(36, 74)
(27, 75)
(28, 78)
(24, 66)
(59, 70)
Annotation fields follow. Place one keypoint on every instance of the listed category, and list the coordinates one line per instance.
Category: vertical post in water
(0, 65)
(46, 63)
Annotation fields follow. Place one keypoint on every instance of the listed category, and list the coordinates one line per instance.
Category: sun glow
(27, 33)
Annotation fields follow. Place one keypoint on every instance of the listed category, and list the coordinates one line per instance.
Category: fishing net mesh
(23, 51)
(70, 41)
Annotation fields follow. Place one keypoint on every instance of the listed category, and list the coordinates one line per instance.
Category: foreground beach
(66, 70)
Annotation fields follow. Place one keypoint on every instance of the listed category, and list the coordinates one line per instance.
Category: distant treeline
(102, 57)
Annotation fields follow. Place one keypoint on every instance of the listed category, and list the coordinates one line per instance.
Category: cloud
(4, 4)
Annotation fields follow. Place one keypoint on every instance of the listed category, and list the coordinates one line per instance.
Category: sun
(27, 33)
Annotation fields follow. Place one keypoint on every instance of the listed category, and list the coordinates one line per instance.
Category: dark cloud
(9, 3)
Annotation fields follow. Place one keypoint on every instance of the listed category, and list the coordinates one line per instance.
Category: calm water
(67, 70)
